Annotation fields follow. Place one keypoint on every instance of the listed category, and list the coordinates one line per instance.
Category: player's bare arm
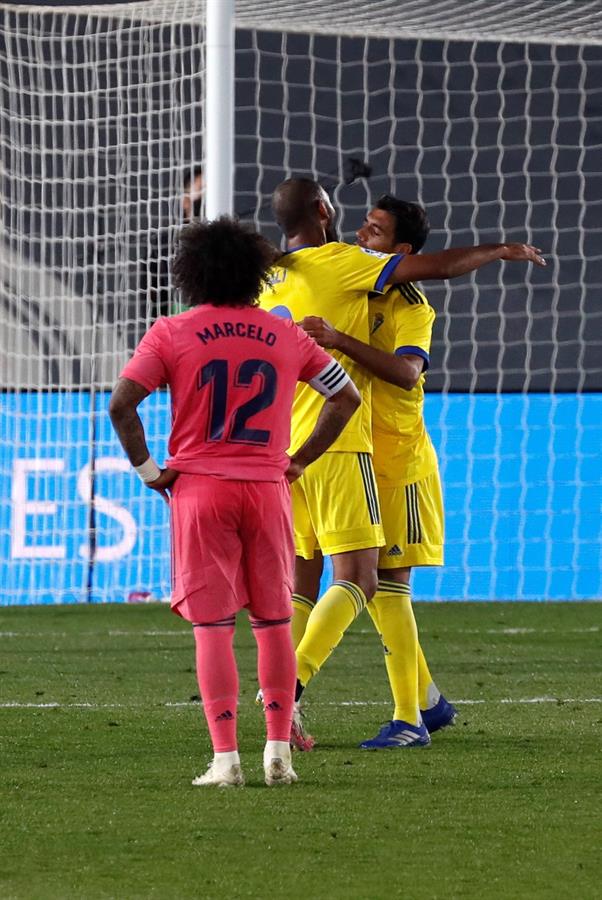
(461, 260)
(335, 413)
(127, 395)
(402, 371)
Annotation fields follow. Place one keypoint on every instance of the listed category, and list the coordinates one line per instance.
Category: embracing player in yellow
(406, 467)
(335, 502)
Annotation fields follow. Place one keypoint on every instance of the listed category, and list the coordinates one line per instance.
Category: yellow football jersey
(401, 322)
(332, 281)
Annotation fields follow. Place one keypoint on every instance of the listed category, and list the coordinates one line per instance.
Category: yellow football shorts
(335, 505)
(412, 516)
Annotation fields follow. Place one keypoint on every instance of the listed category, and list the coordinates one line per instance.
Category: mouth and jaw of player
(232, 370)
(318, 627)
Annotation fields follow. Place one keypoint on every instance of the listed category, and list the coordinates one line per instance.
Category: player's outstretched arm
(402, 371)
(334, 415)
(123, 410)
(460, 260)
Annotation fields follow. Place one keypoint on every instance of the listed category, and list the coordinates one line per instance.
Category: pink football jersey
(232, 373)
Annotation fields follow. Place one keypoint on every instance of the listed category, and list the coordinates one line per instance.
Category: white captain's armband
(330, 380)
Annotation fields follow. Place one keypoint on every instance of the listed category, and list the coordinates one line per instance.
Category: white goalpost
(488, 113)
(219, 131)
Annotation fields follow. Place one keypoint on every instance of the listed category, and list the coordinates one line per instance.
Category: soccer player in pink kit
(232, 370)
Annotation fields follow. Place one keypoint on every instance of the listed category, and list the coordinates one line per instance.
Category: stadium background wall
(514, 402)
(503, 543)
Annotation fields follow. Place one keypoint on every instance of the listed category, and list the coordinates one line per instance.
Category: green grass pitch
(97, 800)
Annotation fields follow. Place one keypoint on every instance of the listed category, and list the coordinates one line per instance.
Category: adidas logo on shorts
(394, 551)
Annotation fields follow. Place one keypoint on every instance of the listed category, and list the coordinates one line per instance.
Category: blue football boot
(396, 734)
(441, 715)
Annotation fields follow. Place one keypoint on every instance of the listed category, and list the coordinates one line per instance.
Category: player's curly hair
(222, 262)
(411, 222)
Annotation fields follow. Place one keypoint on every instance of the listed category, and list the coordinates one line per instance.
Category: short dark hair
(411, 222)
(295, 203)
(222, 262)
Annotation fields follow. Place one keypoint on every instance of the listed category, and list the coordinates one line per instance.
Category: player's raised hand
(523, 252)
(321, 331)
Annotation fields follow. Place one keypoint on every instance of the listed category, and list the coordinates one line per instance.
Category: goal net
(488, 113)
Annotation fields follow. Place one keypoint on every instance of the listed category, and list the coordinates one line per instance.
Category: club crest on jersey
(377, 322)
(376, 253)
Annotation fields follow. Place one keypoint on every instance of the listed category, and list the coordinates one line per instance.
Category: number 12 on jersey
(215, 376)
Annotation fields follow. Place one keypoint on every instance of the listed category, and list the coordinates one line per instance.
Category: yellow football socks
(326, 625)
(302, 607)
(428, 693)
(393, 616)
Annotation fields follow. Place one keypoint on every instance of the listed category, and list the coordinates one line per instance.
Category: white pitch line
(116, 633)
(559, 700)
(591, 630)
(165, 633)
(594, 629)
(28, 634)
(17, 705)
(185, 703)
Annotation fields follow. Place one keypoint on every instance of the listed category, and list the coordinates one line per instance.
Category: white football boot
(223, 771)
(277, 764)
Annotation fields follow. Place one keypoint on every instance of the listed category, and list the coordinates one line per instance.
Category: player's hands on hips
(163, 483)
(523, 252)
(321, 331)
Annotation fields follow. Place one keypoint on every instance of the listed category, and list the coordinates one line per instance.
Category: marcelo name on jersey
(236, 329)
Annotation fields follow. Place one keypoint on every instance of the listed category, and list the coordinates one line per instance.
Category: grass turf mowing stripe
(95, 796)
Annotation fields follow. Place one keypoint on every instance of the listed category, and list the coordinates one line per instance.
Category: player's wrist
(148, 471)
(499, 250)
(302, 458)
(340, 340)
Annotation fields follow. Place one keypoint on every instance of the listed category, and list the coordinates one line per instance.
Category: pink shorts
(232, 547)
